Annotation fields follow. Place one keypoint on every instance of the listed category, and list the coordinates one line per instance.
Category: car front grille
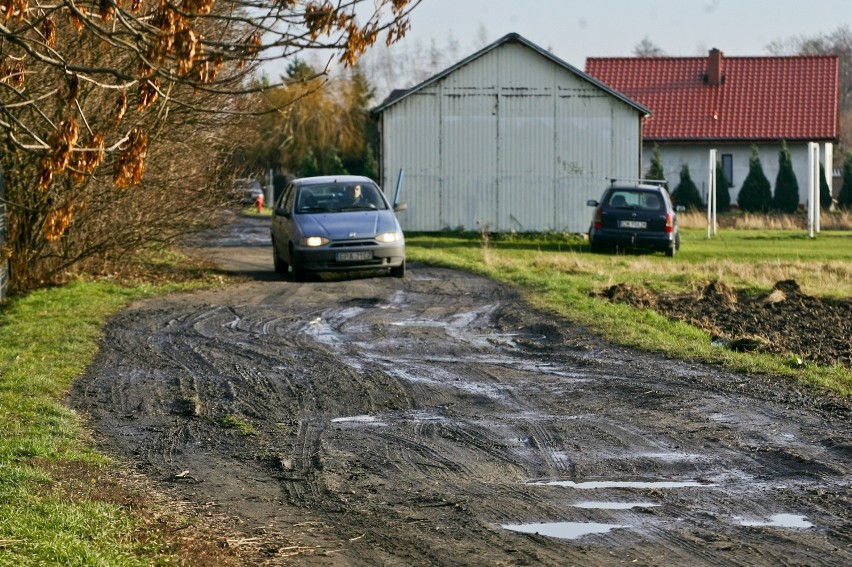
(354, 244)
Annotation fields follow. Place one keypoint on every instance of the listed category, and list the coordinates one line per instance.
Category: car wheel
(299, 274)
(595, 247)
(281, 266)
(670, 252)
(398, 271)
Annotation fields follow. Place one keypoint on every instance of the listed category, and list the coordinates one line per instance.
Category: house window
(728, 168)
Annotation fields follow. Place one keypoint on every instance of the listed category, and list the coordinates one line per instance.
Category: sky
(574, 30)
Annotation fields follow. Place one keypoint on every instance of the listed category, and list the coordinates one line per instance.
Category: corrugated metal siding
(516, 142)
(469, 166)
(411, 141)
(469, 158)
(525, 154)
(583, 125)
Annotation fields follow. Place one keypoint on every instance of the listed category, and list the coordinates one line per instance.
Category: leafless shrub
(116, 118)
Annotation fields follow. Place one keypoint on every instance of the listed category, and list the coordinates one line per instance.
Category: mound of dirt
(784, 321)
(635, 296)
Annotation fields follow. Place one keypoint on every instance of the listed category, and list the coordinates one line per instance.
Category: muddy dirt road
(437, 420)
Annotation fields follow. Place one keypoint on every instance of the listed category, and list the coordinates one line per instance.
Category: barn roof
(399, 94)
(729, 98)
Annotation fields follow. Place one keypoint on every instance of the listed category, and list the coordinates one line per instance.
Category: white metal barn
(511, 138)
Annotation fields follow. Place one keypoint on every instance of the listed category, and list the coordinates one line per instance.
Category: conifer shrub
(786, 198)
(756, 193)
(686, 193)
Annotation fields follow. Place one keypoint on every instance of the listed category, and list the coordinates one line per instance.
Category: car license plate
(353, 256)
(632, 224)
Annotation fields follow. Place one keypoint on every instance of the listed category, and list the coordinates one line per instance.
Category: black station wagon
(634, 217)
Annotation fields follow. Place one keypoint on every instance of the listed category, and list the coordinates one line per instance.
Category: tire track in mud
(407, 421)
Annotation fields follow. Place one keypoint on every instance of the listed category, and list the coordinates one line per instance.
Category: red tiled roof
(760, 98)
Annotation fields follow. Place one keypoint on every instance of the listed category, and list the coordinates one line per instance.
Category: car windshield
(338, 197)
(636, 200)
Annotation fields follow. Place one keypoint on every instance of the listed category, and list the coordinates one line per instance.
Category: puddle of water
(447, 379)
(671, 457)
(418, 323)
(509, 339)
(357, 419)
(420, 415)
(563, 530)
(724, 418)
(779, 521)
(321, 329)
(397, 300)
(409, 375)
(321, 332)
(614, 505)
(620, 484)
(464, 320)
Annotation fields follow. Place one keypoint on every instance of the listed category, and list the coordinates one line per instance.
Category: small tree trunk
(4, 262)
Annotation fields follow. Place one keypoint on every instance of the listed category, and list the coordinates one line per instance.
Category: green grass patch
(238, 423)
(251, 211)
(557, 273)
(47, 339)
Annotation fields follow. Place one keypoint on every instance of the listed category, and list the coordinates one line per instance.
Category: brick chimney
(715, 76)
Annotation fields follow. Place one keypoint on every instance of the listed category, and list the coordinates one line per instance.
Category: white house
(730, 104)
(511, 138)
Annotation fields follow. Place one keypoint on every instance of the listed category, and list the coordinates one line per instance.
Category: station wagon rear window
(637, 200)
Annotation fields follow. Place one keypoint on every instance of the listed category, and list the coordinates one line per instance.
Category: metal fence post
(4, 264)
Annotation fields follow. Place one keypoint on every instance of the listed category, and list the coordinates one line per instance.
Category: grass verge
(556, 273)
(61, 502)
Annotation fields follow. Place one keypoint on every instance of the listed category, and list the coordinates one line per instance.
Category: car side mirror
(399, 207)
(592, 203)
(281, 212)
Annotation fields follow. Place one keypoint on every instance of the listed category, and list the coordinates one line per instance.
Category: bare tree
(148, 48)
(95, 92)
(647, 48)
(837, 42)
(404, 65)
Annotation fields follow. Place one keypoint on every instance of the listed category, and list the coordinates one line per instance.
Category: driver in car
(353, 197)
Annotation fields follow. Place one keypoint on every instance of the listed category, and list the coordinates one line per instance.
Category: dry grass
(826, 278)
(833, 220)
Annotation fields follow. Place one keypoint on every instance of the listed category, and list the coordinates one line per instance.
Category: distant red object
(729, 98)
(259, 202)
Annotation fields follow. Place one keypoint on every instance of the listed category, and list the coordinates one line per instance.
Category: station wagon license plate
(353, 256)
(632, 224)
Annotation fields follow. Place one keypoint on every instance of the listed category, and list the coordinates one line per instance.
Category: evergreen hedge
(786, 198)
(756, 193)
(686, 193)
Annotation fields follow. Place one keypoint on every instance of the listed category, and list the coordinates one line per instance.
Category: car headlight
(314, 241)
(389, 237)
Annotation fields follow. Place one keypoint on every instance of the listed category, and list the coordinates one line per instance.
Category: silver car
(247, 190)
(336, 223)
